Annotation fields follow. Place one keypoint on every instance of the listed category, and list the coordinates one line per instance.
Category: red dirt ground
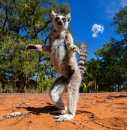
(102, 111)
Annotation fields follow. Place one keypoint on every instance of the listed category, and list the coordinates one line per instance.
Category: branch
(11, 115)
(34, 7)
(5, 20)
(39, 30)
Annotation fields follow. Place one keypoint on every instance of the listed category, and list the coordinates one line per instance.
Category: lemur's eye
(57, 18)
(64, 20)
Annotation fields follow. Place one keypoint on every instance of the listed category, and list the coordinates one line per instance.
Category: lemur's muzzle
(60, 22)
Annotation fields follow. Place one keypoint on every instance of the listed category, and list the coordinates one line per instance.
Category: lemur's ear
(68, 17)
(53, 14)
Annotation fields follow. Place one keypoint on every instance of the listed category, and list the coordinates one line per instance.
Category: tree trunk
(119, 88)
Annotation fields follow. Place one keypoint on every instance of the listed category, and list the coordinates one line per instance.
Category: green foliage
(26, 22)
(120, 21)
(45, 85)
(83, 87)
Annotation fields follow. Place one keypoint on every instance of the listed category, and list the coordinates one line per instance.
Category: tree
(112, 74)
(92, 74)
(120, 22)
(23, 22)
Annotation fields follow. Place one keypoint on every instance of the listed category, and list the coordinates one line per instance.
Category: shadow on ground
(38, 111)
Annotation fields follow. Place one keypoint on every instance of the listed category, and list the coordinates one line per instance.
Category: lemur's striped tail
(83, 57)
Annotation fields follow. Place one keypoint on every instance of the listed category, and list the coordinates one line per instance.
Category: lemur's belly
(58, 55)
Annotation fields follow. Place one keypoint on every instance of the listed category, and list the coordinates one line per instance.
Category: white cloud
(97, 28)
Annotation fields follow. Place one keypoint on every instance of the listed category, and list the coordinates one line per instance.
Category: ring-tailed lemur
(62, 52)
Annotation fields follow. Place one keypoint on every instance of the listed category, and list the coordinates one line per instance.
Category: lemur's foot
(36, 47)
(64, 117)
(60, 111)
(74, 48)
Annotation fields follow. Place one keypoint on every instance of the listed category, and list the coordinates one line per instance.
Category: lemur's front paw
(64, 117)
(74, 48)
(35, 47)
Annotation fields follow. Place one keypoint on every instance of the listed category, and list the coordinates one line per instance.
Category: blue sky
(91, 21)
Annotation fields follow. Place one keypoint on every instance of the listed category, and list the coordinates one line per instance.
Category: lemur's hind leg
(73, 95)
(55, 94)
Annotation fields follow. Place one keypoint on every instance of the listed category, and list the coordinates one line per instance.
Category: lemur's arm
(70, 43)
(69, 39)
(39, 47)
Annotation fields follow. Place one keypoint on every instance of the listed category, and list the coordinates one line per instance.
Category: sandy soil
(104, 111)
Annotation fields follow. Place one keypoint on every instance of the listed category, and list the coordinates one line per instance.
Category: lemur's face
(60, 21)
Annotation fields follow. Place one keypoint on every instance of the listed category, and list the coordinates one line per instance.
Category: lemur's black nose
(59, 23)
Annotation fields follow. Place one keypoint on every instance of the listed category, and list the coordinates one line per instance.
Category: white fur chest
(58, 53)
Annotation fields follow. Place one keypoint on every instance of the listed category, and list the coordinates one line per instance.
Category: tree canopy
(23, 22)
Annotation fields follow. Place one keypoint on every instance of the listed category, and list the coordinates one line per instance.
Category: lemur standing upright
(62, 52)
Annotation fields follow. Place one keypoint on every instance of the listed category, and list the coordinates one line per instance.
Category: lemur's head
(60, 21)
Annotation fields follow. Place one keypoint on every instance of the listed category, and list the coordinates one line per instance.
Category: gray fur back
(83, 57)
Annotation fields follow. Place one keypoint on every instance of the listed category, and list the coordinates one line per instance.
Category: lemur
(62, 52)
